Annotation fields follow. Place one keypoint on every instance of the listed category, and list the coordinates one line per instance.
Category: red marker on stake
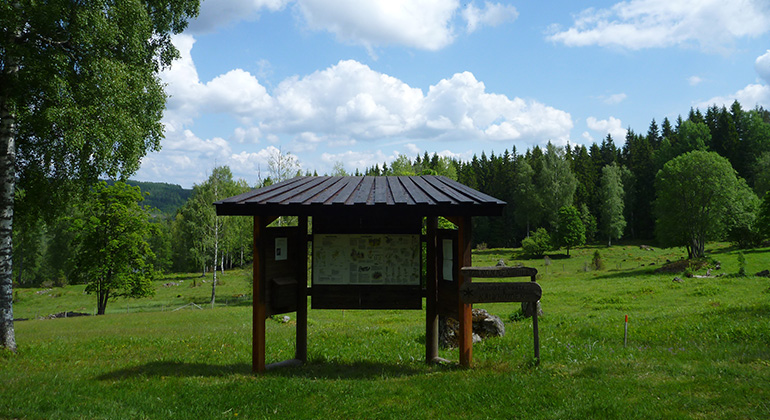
(625, 336)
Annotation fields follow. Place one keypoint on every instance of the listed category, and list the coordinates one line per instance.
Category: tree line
(557, 196)
(622, 192)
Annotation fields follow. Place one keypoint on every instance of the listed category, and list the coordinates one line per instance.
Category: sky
(358, 83)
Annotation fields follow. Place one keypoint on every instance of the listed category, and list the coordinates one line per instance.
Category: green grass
(697, 349)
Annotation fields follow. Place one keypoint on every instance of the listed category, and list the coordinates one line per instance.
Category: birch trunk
(7, 186)
(216, 251)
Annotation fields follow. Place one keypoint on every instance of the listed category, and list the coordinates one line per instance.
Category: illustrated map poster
(363, 259)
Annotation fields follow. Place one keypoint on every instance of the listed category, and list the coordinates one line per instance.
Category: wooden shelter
(366, 242)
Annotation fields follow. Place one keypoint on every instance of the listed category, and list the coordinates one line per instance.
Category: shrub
(537, 244)
(597, 263)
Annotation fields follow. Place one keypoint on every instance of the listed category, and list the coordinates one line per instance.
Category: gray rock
(485, 325)
(678, 280)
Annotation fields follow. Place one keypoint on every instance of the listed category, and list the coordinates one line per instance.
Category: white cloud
(255, 163)
(185, 158)
(354, 159)
(460, 107)
(749, 97)
(611, 126)
(247, 135)
(491, 15)
(753, 94)
(218, 13)
(694, 80)
(412, 149)
(638, 24)
(424, 24)
(762, 66)
(236, 92)
(614, 99)
(347, 104)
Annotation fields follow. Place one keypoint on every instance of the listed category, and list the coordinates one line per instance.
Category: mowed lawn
(696, 349)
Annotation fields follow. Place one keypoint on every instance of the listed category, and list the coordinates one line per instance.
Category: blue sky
(360, 82)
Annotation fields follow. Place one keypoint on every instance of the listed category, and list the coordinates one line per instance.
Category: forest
(558, 197)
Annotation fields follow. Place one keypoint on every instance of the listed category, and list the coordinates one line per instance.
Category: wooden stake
(625, 335)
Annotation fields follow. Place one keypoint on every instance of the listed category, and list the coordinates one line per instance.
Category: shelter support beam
(300, 352)
(431, 286)
(259, 308)
(464, 309)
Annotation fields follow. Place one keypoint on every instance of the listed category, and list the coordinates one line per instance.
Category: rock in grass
(764, 273)
(678, 280)
(485, 325)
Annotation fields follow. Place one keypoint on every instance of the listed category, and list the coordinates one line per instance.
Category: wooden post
(534, 328)
(464, 309)
(258, 311)
(431, 286)
(300, 352)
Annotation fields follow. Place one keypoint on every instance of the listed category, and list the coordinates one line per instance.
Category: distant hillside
(167, 198)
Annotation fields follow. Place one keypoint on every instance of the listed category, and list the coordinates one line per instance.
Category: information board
(366, 259)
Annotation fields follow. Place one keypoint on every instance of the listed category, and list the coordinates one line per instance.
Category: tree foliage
(537, 244)
(113, 256)
(80, 97)
(763, 219)
(697, 193)
(213, 239)
(612, 222)
(555, 183)
(570, 231)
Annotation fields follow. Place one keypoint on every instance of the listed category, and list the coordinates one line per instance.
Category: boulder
(485, 325)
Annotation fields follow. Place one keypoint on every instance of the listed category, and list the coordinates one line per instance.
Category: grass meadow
(696, 349)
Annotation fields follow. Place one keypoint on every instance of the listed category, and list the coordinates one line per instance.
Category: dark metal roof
(336, 195)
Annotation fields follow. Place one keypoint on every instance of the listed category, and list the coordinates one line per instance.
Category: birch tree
(612, 222)
(80, 98)
(206, 230)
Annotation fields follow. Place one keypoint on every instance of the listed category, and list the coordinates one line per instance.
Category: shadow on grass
(177, 369)
(319, 369)
(639, 272)
(323, 369)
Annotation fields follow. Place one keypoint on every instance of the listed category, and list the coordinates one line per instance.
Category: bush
(597, 263)
(537, 244)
